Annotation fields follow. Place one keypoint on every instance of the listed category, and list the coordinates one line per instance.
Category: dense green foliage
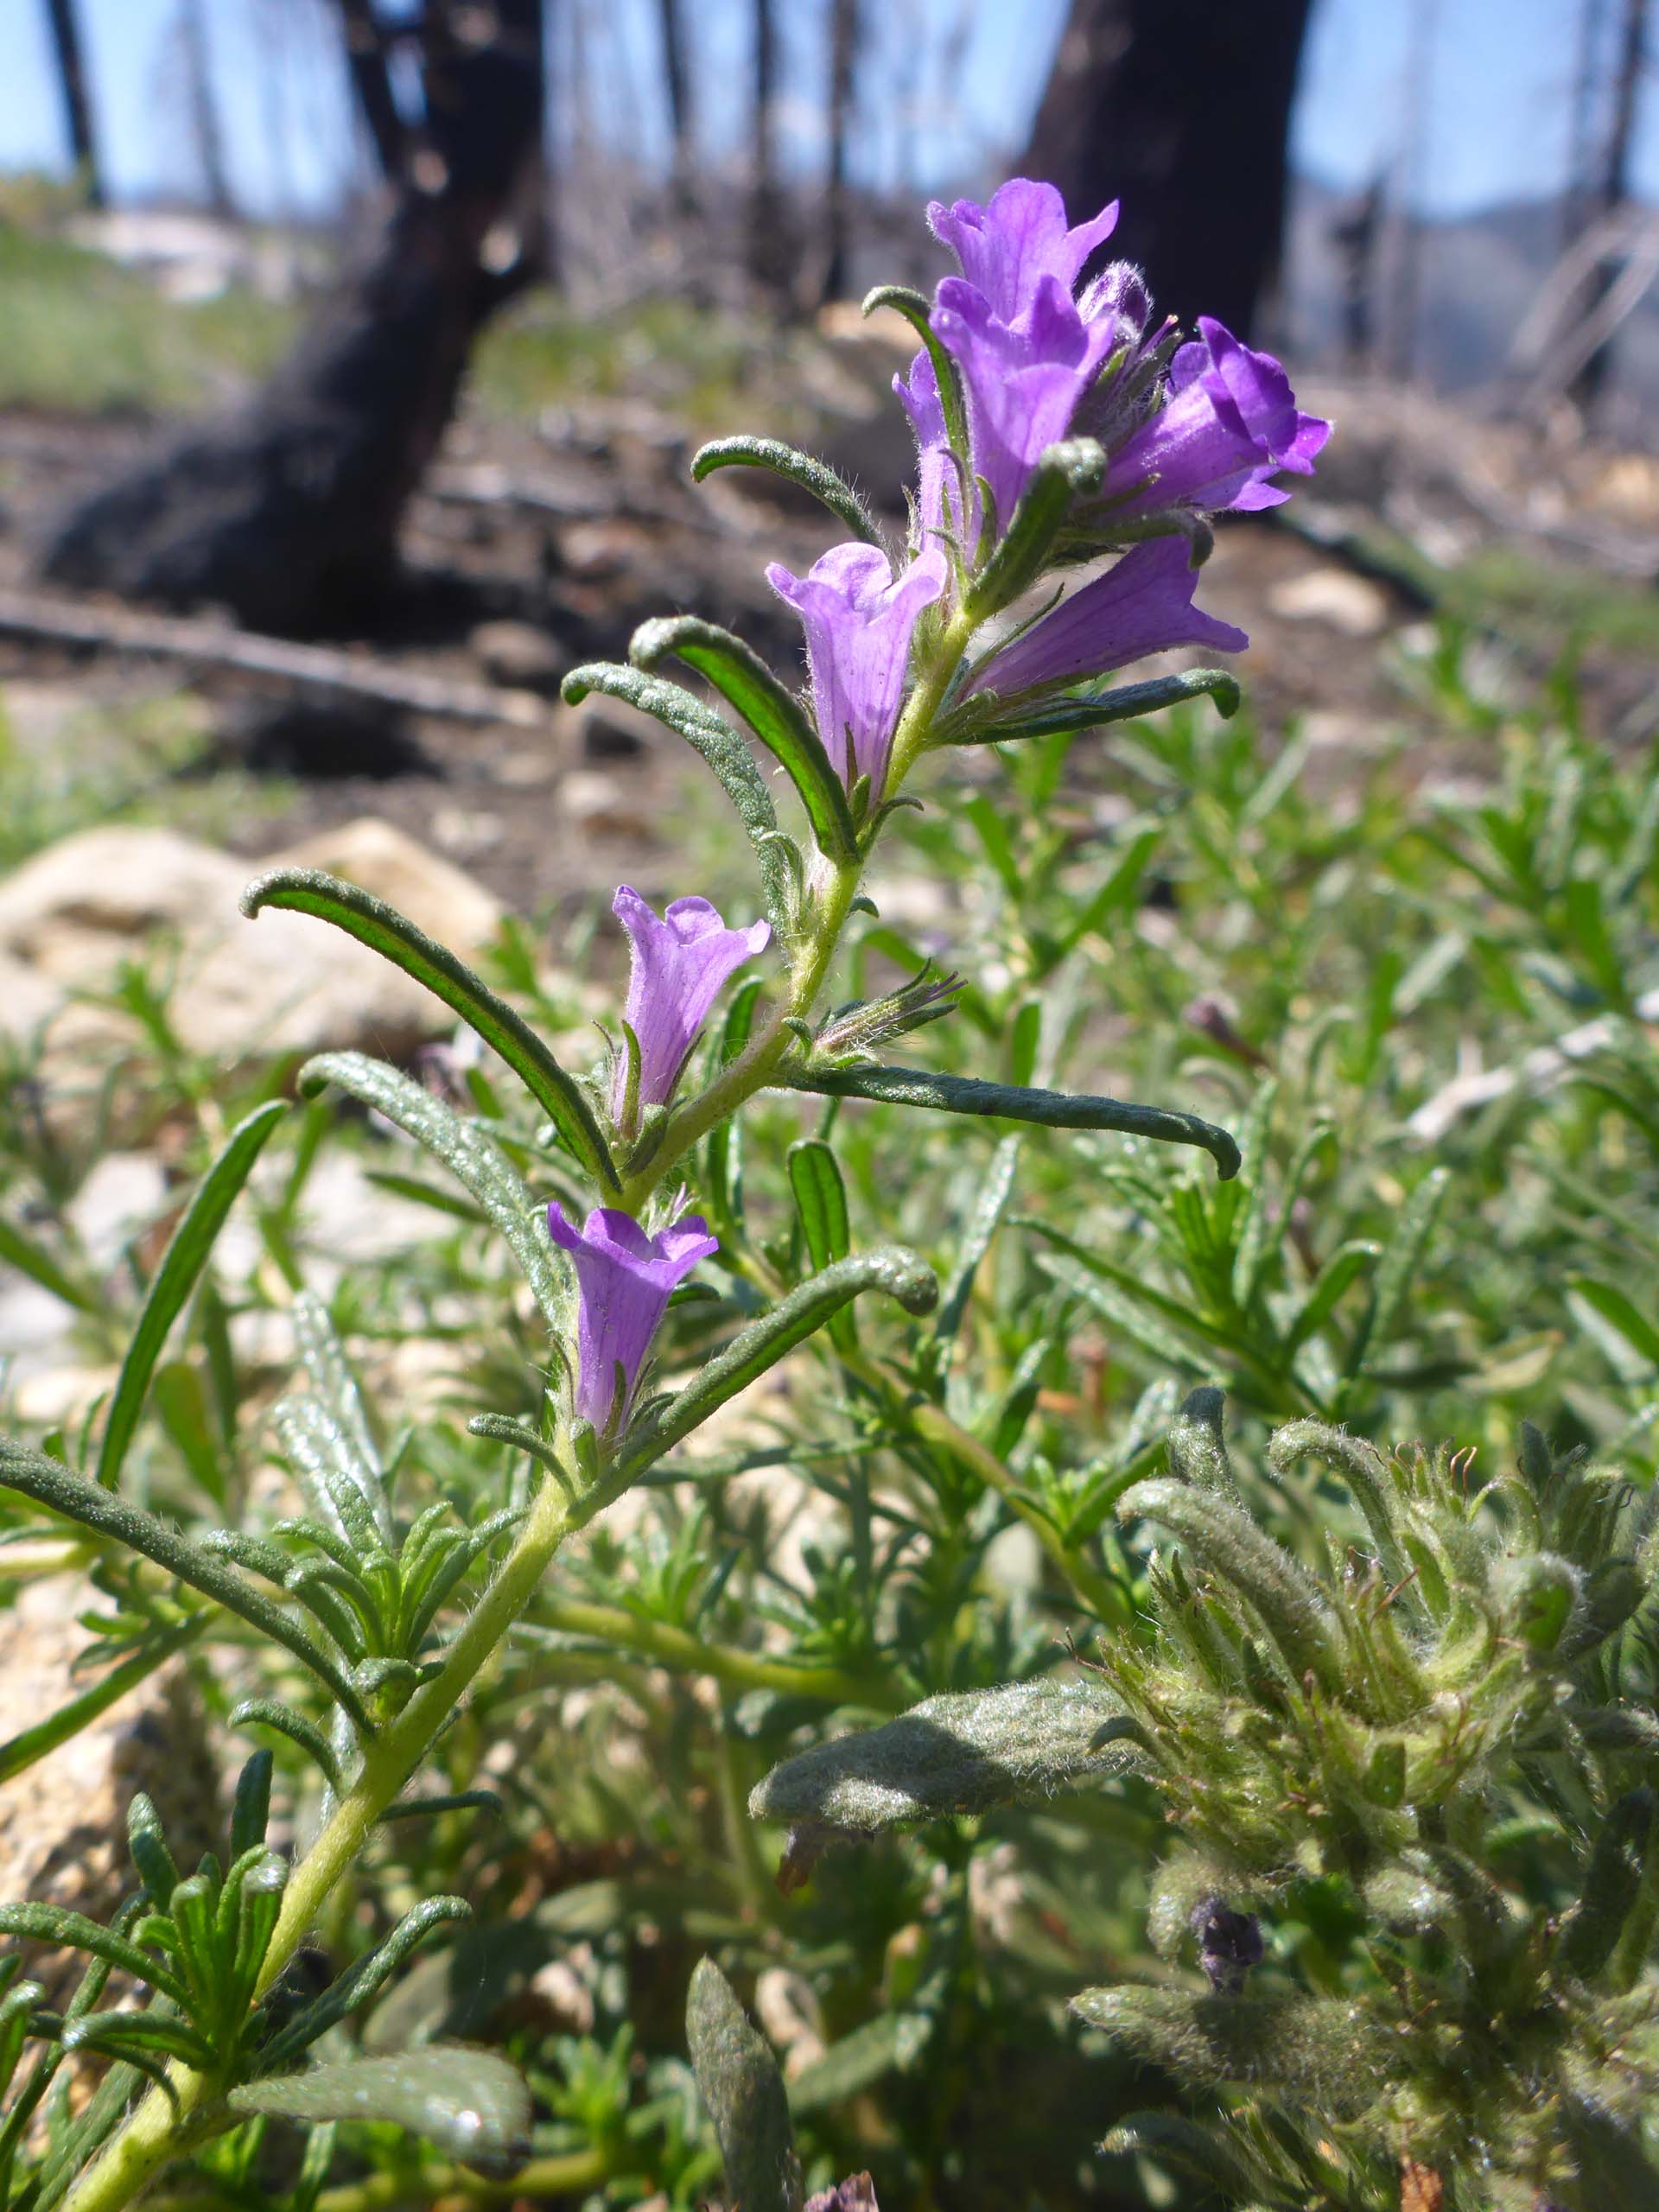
(1394, 1699)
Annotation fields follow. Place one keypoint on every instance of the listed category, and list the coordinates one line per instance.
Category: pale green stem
(159, 2130)
(665, 1645)
(570, 2173)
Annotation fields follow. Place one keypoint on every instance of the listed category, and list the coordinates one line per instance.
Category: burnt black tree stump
(1181, 108)
(286, 513)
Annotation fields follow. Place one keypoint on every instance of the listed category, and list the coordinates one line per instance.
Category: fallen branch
(307, 668)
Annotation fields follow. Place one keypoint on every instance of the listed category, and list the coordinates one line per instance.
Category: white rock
(241, 990)
(1334, 596)
(124, 1193)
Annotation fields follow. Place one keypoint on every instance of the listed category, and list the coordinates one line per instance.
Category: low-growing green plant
(1079, 1653)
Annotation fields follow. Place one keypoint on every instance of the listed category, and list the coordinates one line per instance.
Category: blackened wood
(287, 513)
(1181, 108)
(65, 24)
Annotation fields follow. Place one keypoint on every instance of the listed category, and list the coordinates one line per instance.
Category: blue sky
(1496, 99)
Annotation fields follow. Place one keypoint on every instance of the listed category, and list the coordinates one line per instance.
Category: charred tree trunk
(367, 65)
(1611, 189)
(843, 62)
(203, 107)
(288, 513)
(77, 105)
(769, 258)
(682, 114)
(1182, 109)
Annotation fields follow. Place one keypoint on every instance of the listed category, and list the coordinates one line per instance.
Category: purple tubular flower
(938, 481)
(1023, 379)
(1230, 421)
(681, 962)
(1143, 605)
(1006, 249)
(624, 1279)
(859, 618)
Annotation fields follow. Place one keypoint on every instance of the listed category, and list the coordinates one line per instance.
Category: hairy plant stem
(569, 2173)
(834, 888)
(661, 1644)
(164, 2124)
(161, 2127)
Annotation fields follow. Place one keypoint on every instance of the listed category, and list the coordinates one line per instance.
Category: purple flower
(1023, 379)
(624, 1279)
(681, 961)
(1230, 420)
(939, 480)
(1007, 249)
(1143, 605)
(858, 617)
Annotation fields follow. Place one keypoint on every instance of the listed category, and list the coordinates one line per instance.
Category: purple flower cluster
(1030, 352)
(1183, 431)
(1186, 431)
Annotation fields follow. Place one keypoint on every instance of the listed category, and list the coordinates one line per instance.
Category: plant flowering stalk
(1067, 421)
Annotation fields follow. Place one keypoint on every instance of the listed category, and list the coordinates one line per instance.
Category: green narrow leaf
(1053, 1110)
(53, 1484)
(742, 2088)
(799, 468)
(180, 1397)
(1250, 1249)
(1075, 465)
(472, 2104)
(251, 1815)
(267, 1712)
(893, 2042)
(1346, 1264)
(31, 1744)
(325, 1467)
(891, 1270)
(469, 1153)
(1400, 1260)
(981, 1226)
(821, 1201)
(420, 1193)
(51, 1923)
(1139, 1315)
(147, 1847)
(1613, 1882)
(745, 682)
(354, 1451)
(1127, 704)
(21, 1251)
(363, 1979)
(711, 736)
(182, 1262)
(396, 938)
(1621, 1316)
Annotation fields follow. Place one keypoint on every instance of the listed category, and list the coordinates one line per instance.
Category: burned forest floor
(562, 514)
